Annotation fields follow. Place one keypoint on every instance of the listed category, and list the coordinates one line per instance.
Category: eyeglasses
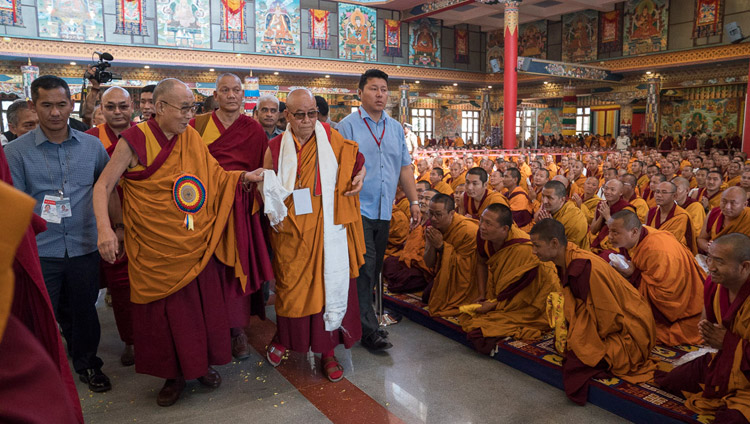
(185, 110)
(312, 114)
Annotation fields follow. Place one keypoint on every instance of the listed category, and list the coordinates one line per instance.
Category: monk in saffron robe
(555, 205)
(178, 206)
(690, 205)
(117, 107)
(31, 304)
(577, 177)
(610, 327)
(513, 284)
(667, 216)
(612, 203)
(717, 383)
(397, 232)
(436, 179)
(712, 195)
(667, 276)
(423, 170)
(458, 174)
(629, 184)
(318, 238)
(450, 250)
(406, 271)
(734, 174)
(518, 199)
(589, 201)
(477, 196)
(402, 202)
(732, 216)
(28, 373)
(238, 142)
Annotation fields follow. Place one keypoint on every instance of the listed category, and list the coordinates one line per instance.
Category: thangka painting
(461, 38)
(610, 31)
(10, 13)
(277, 26)
(579, 33)
(532, 39)
(77, 20)
(392, 45)
(358, 32)
(319, 29)
(448, 123)
(645, 25)
(184, 23)
(548, 121)
(130, 17)
(709, 18)
(717, 116)
(495, 50)
(425, 42)
(233, 21)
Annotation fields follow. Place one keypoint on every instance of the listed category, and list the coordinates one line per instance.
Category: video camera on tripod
(99, 71)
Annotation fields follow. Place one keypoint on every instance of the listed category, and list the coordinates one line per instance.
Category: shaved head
(733, 201)
(737, 243)
(561, 179)
(112, 91)
(169, 88)
(681, 183)
(299, 95)
(628, 219)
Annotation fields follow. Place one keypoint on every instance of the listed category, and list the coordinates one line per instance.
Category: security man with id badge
(58, 167)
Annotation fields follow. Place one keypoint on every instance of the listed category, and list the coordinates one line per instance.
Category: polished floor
(425, 378)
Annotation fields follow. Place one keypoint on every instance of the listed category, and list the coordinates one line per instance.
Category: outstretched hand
(357, 183)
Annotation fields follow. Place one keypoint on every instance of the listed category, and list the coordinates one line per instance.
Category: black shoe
(97, 381)
(376, 342)
(383, 332)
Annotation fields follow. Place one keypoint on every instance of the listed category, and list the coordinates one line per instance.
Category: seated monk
(732, 216)
(712, 195)
(612, 203)
(589, 201)
(555, 205)
(513, 284)
(406, 271)
(577, 177)
(667, 216)
(648, 194)
(477, 197)
(458, 198)
(541, 177)
(629, 184)
(734, 174)
(458, 174)
(402, 202)
(691, 206)
(423, 170)
(450, 250)
(397, 232)
(610, 327)
(518, 199)
(717, 384)
(436, 179)
(668, 277)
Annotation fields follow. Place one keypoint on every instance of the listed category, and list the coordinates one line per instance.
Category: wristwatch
(416, 202)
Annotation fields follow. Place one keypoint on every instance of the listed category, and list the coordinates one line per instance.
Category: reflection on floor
(425, 378)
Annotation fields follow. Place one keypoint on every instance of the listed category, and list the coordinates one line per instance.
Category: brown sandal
(332, 369)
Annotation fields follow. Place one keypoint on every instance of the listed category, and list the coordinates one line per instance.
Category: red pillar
(510, 76)
(746, 125)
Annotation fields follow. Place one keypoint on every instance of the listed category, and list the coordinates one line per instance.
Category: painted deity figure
(358, 30)
(278, 24)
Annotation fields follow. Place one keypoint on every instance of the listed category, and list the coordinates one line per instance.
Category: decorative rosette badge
(189, 195)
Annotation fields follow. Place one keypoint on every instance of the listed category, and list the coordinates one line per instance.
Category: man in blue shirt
(58, 166)
(388, 164)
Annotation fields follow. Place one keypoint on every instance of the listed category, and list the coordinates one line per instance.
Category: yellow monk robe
(718, 380)
(678, 223)
(575, 223)
(641, 207)
(525, 170)
(412, 255)
(715, 200)
(489, 198)
(397, 232)
(520, 206)
(404, 206)
(454, 284)
(697, 214)
(459, 142)
(443, 188)
(671, 281)
(424, 177)
(607, 320)
(731, 182)
(588, 207)
(157, 268)
(457, 181)
(717, 226)
(552, 168)
(298, 243)
(600, 241)
(580, 181)
(642, 183)
(520, 284)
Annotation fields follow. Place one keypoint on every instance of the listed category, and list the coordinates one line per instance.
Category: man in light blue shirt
(388, 164)
(58, 167)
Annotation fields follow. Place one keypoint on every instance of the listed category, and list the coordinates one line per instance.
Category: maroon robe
(617, 207)
(241, 147)
(31, 303)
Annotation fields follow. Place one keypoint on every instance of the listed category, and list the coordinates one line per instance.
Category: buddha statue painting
(183, 14)
(646, 22)
(424, 45)
(278, 35)
(579, 39)
(677, 126)
(358, 30)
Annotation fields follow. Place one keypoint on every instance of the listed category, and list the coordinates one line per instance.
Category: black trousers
(73, 286)
(376, 240)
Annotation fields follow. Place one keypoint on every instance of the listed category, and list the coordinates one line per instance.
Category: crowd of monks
(615, 252)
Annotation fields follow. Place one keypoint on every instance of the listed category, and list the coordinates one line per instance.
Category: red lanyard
(371, 133)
